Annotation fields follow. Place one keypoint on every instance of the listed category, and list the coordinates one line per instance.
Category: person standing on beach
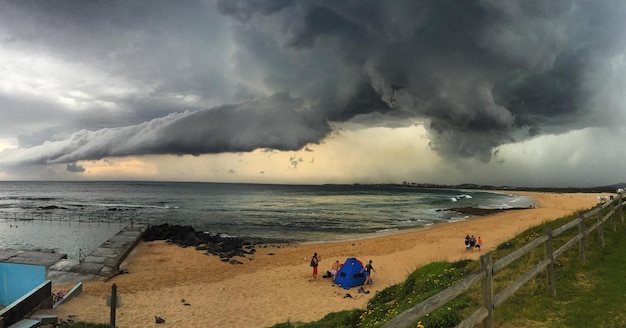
(334, 269)
(368, 273)
(314, 263)
(479, 243)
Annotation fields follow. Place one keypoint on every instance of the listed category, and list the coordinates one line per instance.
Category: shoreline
(274, 286)
(175, 230)
(471, 212)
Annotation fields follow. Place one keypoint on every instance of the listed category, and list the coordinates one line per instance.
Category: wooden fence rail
(484, 276)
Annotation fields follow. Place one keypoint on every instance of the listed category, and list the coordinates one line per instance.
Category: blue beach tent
(350, 274)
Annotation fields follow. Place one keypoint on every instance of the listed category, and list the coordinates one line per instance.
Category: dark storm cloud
(243, 10)
(267, 123)
(73, 167)
(275, 74)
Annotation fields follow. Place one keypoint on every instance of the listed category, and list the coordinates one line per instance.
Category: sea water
(75, 217)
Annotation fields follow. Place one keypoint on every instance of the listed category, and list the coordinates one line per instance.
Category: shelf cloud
(92, 80)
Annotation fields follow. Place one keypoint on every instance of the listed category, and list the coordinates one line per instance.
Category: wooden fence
(485, 275)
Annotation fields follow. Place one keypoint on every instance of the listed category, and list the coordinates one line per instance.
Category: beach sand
(187, 288)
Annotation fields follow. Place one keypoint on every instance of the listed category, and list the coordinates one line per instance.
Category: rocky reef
(226, 247)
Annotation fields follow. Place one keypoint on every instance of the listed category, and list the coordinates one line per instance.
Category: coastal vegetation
(588, 293)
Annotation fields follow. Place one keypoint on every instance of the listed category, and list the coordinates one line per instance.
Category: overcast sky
(524, 93)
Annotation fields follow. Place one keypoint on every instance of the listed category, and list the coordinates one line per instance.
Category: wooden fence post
(601, 228)
(113, 304)
(550, 279)
(613, 213)
(485, 265)
(583, 237)
(621, 206)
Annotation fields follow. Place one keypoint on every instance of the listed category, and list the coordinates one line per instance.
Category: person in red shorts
(314, 263)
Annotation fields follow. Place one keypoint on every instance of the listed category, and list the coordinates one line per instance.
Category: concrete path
(29, 257)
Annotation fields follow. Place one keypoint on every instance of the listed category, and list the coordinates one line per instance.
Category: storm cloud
(235, 76)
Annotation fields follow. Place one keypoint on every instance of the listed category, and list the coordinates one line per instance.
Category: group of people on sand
(334, 269)
(471, 242)
(332, 273)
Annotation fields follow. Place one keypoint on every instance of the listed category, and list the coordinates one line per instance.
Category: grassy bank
(587, 294)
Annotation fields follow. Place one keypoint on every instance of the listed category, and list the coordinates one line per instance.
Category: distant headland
(598, 189)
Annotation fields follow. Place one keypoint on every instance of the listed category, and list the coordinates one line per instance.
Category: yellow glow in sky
(365, 155)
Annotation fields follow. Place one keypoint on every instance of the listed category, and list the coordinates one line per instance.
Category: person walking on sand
(368, 273)
(315, 260)
(479, 243)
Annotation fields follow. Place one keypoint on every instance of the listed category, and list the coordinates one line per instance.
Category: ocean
(76, 217)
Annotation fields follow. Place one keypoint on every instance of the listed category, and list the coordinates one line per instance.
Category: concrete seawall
(101, 262)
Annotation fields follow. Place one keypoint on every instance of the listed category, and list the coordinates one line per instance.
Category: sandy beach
(190, 289)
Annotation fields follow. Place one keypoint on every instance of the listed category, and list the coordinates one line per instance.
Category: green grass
(587, 294)
(607, 292)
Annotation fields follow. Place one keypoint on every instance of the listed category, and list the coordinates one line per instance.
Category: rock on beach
(216, 244)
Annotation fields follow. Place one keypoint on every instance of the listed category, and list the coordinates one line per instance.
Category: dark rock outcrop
(476, 211)
(211, 243)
